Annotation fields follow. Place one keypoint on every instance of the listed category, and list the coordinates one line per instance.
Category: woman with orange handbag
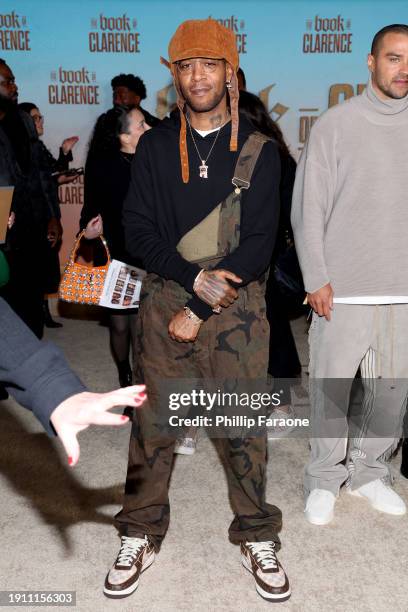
(107, 177)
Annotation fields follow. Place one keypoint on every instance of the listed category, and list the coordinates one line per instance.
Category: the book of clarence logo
(327, 35)
(14, 34)
(73, 87)
(114, 35)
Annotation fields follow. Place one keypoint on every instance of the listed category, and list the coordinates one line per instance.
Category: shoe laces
(129, 549)
(190, 442)
(186, 443)
(264, 553)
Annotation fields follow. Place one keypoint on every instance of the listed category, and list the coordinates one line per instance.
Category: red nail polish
(142, 395)
(124, 417)
(70, 461)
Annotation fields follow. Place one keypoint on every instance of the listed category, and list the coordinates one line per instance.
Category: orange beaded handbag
(80, 283)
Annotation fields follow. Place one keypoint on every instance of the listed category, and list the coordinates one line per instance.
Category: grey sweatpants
(378, 337)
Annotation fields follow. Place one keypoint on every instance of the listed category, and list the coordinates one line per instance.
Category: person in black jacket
(107, 178)
(128, 91)
(51, 171)
(51, 163)
(27, 241)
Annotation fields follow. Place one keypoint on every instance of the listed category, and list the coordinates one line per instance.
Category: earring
(228, 84)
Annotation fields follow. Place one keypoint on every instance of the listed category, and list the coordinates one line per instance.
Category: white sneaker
(185, 446)
(319, 508)
(382, 497)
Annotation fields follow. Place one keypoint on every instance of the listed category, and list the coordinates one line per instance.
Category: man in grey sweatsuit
(350, 220)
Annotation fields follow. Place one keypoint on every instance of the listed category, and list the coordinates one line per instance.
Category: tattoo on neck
(216, 121)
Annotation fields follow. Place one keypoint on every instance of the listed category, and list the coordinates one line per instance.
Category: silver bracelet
(192, 316)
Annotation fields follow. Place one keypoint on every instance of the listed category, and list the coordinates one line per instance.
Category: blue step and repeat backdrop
(300, 56)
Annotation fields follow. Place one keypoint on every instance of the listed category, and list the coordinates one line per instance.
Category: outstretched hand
(69, 143)
(83, 409)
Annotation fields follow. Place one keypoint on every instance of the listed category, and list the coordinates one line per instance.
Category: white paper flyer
(122, 286)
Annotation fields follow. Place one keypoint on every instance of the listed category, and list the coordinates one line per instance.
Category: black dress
(107, 178)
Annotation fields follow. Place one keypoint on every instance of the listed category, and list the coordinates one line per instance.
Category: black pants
(283, 356)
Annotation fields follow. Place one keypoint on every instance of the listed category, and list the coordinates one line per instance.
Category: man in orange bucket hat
(201, 212)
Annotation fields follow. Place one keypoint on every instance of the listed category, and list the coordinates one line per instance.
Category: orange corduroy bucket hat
(203, 38)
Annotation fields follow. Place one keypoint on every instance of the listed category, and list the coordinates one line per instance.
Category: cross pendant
(203, 169)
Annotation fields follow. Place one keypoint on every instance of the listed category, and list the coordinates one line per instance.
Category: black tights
(122, 335)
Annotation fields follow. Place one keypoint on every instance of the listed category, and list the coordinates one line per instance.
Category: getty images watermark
(304, 408)
(230, 410)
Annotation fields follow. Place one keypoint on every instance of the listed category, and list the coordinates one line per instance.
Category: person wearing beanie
(350, 221)
(202, 213)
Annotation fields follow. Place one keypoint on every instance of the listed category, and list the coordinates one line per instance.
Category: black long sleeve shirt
(160, 209)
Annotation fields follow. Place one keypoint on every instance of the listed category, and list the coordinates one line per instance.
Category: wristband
(192, 316)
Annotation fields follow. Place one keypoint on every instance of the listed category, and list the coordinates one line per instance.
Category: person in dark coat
(107, 178)
(51, 172)
(128, 91)
(27, 241)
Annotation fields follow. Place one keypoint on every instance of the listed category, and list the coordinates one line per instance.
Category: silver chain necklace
(203, 168)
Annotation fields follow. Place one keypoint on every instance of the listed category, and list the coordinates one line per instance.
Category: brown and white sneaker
(134, 557)
(260, 559)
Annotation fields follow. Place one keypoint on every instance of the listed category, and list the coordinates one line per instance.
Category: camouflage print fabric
(235, 342)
